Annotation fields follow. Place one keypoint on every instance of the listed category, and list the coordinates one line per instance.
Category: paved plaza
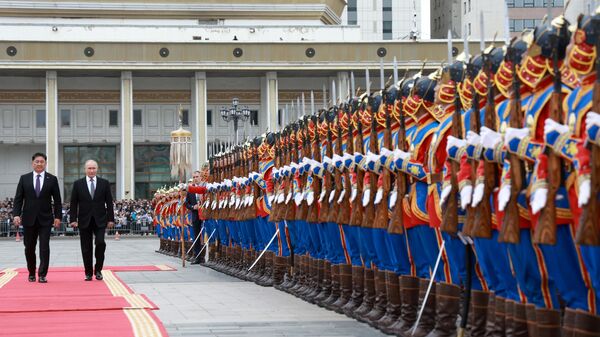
(198, 301)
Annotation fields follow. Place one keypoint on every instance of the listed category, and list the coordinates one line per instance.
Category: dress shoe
(88, 277)
(32, 278)
(99, 276)
(42, 279)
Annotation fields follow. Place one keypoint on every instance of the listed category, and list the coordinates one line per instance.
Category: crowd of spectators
(127, 213)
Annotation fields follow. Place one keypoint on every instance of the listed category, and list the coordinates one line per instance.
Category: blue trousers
(566, 270)
(533, 280)
(399, 253)
(495, 266)
(351, 235)
(336, 253)
(424, 248)
(369, 253)
(315, 249)
(380, 237)
(591, 258)
(282, 239)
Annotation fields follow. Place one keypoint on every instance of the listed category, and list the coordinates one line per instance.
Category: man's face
(38, 164)
(196, 177)
(91, 169)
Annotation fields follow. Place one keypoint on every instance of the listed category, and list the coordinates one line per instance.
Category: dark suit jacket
(45, 209)
(190, 202)
(84, 208)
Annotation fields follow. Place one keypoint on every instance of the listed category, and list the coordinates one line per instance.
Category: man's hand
(73, 224)
(56, 223)
(110, 224)
(17, 220)
(196, 206)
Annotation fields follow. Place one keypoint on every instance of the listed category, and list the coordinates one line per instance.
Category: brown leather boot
(358, 273)
(325, 279)
(267, 279)
(568, 323)
(334, 292)
(509, 308)
(491, 316)
(279, 265)
(447, 300)
(409, 290)
(531, 320)
(520, 320)
(427, 322)
(380, 305)
(299, 274)
(315, 280)
(288, 277)
(499, 318)
(392, 311)
(368, 298)
(345, 291)
(586, 324)
(548, 322)
(478, 313)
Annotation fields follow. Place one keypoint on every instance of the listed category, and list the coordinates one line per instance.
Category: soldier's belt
(434, 178)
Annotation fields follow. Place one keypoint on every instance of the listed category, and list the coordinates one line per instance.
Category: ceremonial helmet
(541, 44)
(493, 57)
(452, 75)
(513, 55)
(583, 52)
(422, 94)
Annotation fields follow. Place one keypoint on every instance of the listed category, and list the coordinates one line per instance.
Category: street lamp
(234, 113)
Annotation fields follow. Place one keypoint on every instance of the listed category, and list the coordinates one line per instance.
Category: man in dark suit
(37, 206)
(192, 203)
(92, 211)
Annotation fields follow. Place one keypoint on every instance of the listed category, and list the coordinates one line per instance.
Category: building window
(352, 19)
(510, 3)
(209, 117)
(465, 7)
(387, 30)
(511, 25)
(528, 23)
(558, 3)
(152, 169)
(113, 117)
(185, 117)
(65, 117)
(469, 5)
(528, 3)
(137, 117)
(469, 28)
(254, 117)
(279, 112)
(40, 118)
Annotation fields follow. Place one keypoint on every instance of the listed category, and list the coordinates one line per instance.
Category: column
(52, 121)
(198, 116)
(272, 99)
(343, 86)
(126, 174)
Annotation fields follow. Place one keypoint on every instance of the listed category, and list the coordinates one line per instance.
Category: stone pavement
(198, 301)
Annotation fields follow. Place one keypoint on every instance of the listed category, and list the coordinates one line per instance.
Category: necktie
(92, 188)
(37, 185)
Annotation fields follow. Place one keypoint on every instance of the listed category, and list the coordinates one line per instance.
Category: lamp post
(234, 113)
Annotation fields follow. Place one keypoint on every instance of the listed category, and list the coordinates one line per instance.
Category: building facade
(97, 80)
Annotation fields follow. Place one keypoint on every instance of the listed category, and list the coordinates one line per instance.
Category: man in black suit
(92, 211)
(37, 206)
(192, 202)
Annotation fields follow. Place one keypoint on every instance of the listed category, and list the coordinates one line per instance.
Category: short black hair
(39, 154)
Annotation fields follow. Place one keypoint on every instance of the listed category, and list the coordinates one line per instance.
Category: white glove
(477, 194)
(592, 118)
(445, 194)
(514, 133)
(551, 125)
(489, 138)
(455, 142)
(473, 138)
(378, 196)
(310, 197)
(353, 194)
(272, 197)
(331, 196)
(322, 195)
(584, 192)
(289, 197)
(214, 204)
(465, 196)
(503, 196)
(538, 200)
(366, 197)
(399, 154)
(280, 197)
(298, 198)
(393, 198)
(341, 197)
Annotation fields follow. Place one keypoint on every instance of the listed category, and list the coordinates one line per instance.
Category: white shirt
(89, 185)
(43, 175)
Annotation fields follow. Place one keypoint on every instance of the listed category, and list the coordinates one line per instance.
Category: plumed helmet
(391, 94)
(545, 35)
(425, 88)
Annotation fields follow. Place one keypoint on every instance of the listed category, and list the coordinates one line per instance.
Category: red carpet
(69, 306)
(162, 267)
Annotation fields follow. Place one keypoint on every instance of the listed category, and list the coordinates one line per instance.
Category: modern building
(389, 19)
(464, 16)
(104, 80)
